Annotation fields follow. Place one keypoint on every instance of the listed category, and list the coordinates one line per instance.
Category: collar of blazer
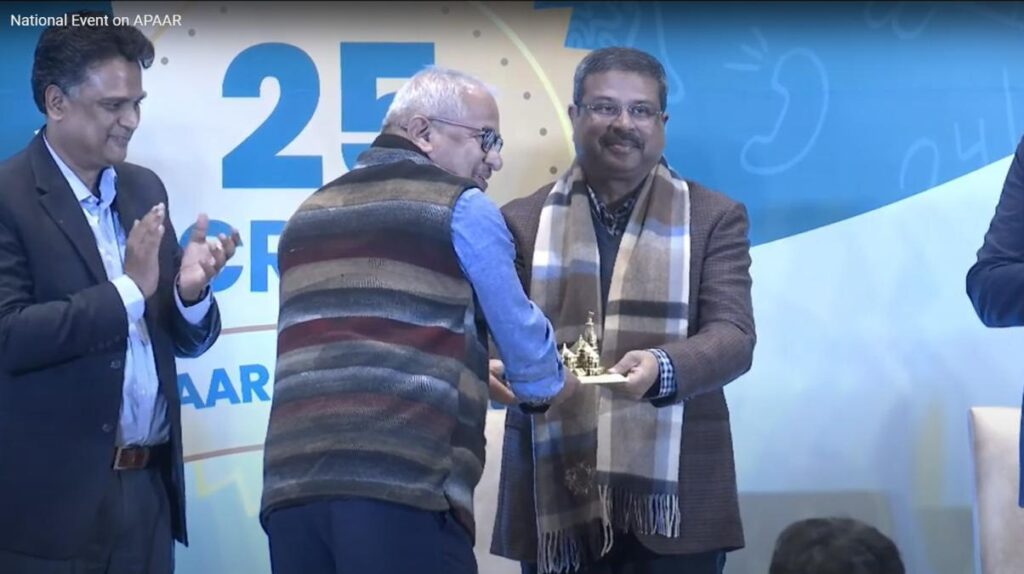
(63, 207)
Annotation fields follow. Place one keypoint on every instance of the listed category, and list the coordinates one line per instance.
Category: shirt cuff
(196, 312)
(666, 384)
(132, 298)
(534, 408)
(540, 391)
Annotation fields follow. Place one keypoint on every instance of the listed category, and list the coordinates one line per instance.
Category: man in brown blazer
(635, 477)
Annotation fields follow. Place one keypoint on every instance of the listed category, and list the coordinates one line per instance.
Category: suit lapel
(61, 204)
(128, 207)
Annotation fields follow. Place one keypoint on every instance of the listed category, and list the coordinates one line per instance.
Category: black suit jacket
(995, 283)
(63, 333)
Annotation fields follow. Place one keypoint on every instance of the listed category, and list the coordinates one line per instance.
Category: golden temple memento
(584, 358)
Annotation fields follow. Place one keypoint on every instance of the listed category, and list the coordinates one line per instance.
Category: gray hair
(433, 91)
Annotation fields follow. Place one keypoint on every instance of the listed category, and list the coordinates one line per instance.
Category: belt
(139, 457)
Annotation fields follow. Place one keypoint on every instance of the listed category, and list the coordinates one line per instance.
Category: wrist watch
(532, 408)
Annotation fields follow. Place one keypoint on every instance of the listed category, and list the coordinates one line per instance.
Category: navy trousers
(364, 536)
(132, 535)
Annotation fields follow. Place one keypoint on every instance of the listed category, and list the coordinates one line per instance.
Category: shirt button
(107, 427)
(115, 364)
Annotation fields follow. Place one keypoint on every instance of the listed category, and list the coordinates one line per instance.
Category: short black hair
(620, 59)
(834, 546)
(65, 53)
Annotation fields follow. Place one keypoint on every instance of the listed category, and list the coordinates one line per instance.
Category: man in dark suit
(96, 301)
(635, 477)
(995, 283)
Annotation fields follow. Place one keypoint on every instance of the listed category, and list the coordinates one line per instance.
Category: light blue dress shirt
(143, 419)
(520, 330)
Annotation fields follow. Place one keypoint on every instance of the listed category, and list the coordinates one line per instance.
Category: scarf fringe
(646, 513)
(560, 551)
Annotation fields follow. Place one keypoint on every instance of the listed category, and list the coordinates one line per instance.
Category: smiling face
(458, 149)
(94, 121)
(623, 147)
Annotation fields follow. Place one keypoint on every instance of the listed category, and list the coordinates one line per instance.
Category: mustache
(613, 138)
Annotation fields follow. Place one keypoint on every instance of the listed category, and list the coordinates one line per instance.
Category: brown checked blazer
(719, 348)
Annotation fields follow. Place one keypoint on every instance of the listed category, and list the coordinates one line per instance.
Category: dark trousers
(629, 556)
(363, 536)
(132, 534)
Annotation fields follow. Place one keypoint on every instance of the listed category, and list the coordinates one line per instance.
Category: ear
(572, 111)
(664, 119)
(55, 101)
(420, 129)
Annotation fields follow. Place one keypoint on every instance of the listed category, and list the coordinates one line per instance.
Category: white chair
(998, 521)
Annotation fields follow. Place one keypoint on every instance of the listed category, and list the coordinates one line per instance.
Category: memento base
(606, 379)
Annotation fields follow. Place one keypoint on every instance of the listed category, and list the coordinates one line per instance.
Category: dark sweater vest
(380, 386)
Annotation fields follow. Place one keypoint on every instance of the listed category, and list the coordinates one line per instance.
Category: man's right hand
(501, 393)
(497, 388)
(141, 261)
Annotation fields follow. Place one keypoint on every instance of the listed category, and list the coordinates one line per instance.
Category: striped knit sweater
(380, 386)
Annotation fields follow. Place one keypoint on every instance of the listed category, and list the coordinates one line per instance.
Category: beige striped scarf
(605, 462)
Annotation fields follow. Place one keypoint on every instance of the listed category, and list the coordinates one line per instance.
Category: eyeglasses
(489, 139)
(641, 113)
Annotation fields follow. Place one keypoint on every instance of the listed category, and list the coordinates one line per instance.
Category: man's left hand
(641, 371)
(203, 259)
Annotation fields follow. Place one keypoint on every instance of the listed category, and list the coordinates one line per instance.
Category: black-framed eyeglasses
(489, 139)
(611, 110)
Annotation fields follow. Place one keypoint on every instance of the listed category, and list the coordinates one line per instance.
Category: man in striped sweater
(391, 277)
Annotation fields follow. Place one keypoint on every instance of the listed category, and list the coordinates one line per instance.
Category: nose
(493, 159)
(130, 118)
(623, 119)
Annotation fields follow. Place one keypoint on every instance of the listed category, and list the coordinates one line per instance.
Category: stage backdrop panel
(868, 141)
